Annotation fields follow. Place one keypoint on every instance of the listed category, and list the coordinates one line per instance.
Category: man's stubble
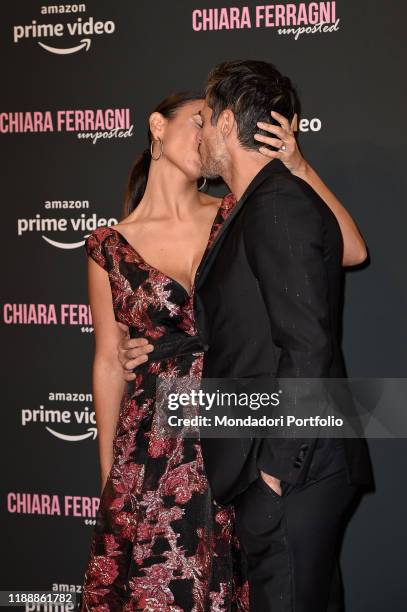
(214, 160)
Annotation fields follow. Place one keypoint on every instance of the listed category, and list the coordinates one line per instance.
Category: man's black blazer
(268, 302)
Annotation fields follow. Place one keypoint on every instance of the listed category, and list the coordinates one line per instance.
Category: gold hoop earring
(152, 147)
(203, 185)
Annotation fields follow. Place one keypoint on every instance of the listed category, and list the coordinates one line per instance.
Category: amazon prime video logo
(63, 232)
(66, 417)
(63, 37)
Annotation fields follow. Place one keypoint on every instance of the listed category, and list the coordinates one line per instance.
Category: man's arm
(283, 237)
(131, 352)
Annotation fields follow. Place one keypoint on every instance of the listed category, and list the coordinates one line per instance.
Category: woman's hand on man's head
(282, 137)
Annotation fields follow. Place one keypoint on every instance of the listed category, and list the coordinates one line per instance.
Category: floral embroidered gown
(161, 543)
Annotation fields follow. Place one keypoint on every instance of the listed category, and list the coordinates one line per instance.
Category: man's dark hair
(251, 89)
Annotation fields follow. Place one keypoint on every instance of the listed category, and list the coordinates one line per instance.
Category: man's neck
(243, 168)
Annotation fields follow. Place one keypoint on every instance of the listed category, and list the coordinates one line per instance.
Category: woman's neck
(169, 193)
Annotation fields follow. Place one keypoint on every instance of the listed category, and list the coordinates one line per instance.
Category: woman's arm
(354, 251)
(107, 377)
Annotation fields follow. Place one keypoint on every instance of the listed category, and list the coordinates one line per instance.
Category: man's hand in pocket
(274, 483)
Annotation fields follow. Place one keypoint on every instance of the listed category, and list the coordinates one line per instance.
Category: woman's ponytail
(137, 182)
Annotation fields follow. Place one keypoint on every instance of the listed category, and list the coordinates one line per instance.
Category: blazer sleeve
(283, 235)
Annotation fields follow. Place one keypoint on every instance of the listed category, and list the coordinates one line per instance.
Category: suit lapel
(271, 167)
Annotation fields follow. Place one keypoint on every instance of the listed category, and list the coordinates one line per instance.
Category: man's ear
(294, 123)
(157, 124)
(226, 122)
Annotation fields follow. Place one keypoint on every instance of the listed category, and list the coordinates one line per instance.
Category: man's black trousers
(291, 542)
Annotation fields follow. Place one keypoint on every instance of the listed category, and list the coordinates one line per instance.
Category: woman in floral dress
(161, 542)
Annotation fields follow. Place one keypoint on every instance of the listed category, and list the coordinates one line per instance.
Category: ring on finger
(283, 147)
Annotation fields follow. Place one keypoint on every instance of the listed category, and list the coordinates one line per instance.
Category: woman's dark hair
(137, 182)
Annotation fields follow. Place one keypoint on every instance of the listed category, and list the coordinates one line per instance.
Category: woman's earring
(152, 147)
(203, 185)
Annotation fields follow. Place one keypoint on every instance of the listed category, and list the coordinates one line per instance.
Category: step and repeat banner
(77, 84)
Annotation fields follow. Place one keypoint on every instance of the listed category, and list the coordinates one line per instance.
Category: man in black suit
(267, 303)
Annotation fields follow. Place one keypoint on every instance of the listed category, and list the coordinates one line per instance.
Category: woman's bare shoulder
(126, 221)
(129, 222)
